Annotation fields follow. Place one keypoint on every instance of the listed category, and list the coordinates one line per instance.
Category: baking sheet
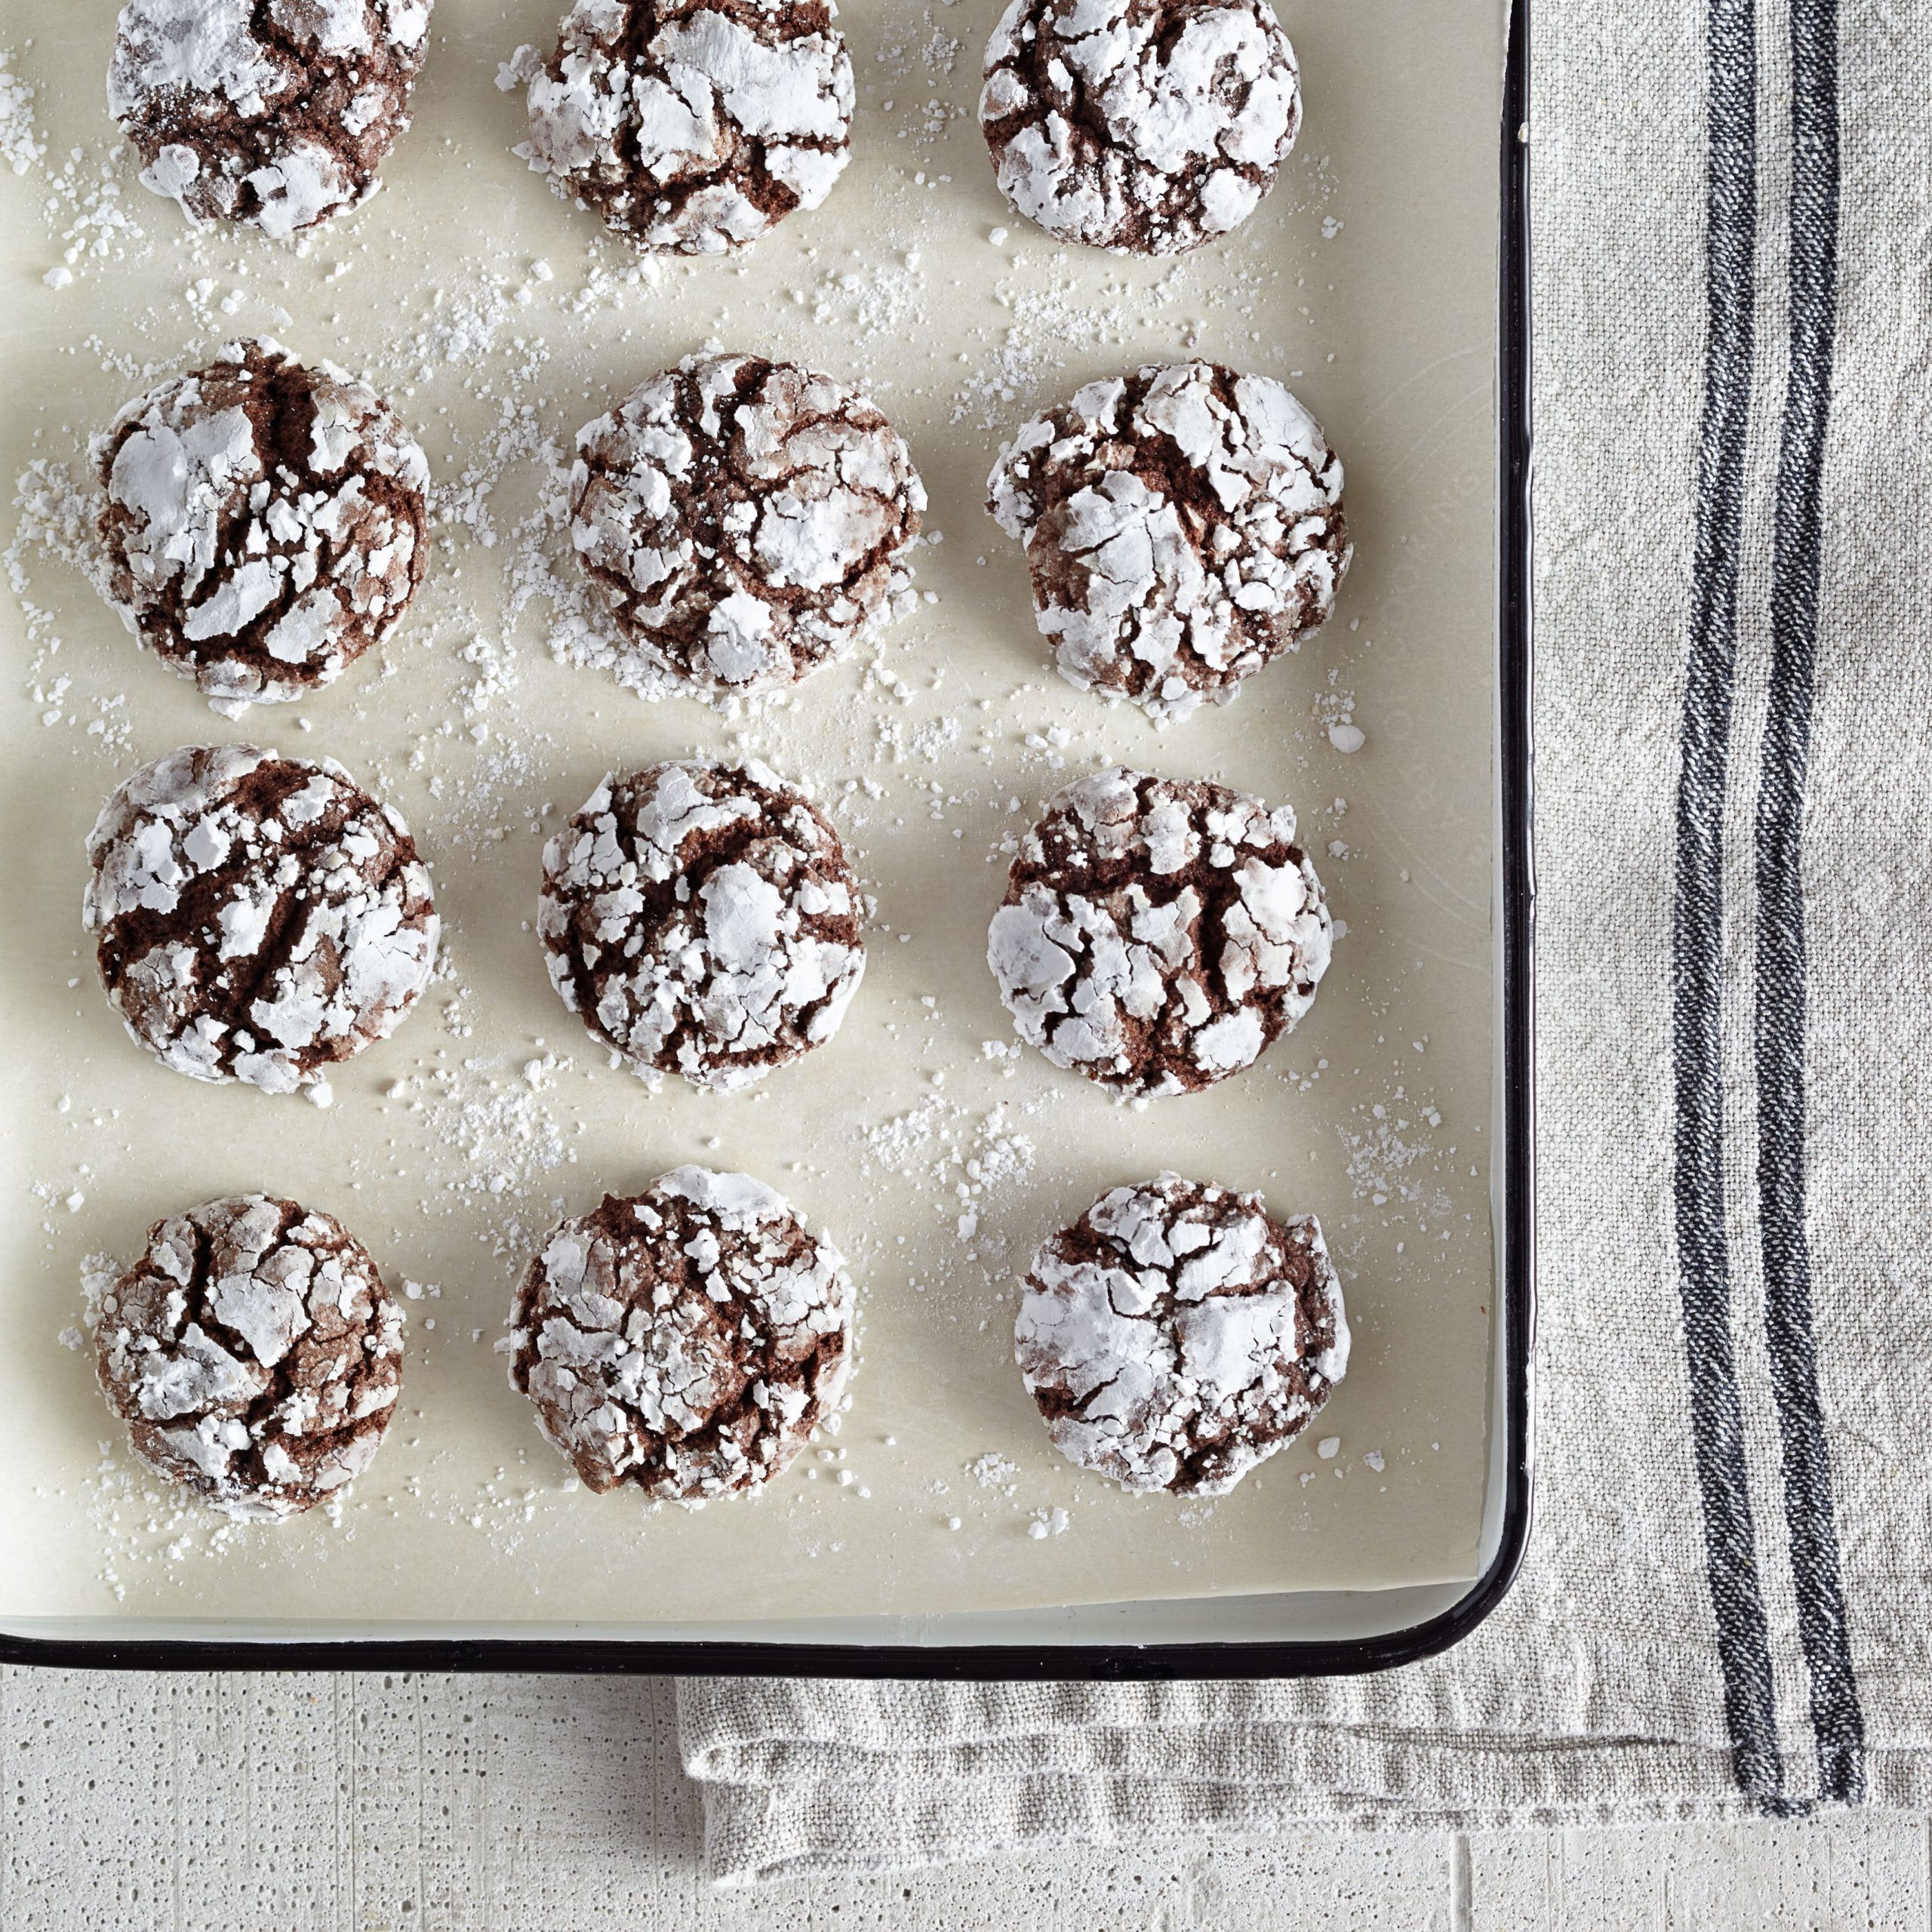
(499, 320)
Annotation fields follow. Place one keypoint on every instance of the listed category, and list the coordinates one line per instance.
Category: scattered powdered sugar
(86, 208)
(916, 44)
(1059, 316)
(996, 1163)
(1025, 356)
(58, 522)
(462, 328)
(929, 740)
(1392, 1156)
(973, 1168)
(1335, 710)
(21, 147)
(914, 55)
(505, 1137)
(994, 1471)
(867, 301)
(149, 1529)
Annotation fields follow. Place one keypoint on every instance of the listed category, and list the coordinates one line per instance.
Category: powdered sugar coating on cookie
(691, 128)
(688, 1339)
(744, 521)
(1146, 126)
(1157, 936)
(1182, 526)
(277, 116)
(1174, 1336)
(700, 919)
(265, 523)
(259, 918)
(253, 1353)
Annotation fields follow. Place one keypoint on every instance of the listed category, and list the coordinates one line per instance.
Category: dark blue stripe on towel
(1696, 947)
(1837, 1721)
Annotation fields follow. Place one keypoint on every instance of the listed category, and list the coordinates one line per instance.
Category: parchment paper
(499, 320)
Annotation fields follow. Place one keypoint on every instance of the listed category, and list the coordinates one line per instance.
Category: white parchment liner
(1367, 280)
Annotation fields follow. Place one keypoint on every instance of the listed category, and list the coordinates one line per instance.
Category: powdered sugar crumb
(21, 147)
(994, 1471)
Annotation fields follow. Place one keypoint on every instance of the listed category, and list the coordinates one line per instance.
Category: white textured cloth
(1725, 1605)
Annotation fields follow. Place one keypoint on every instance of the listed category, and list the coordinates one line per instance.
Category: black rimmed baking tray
(1243, 1630)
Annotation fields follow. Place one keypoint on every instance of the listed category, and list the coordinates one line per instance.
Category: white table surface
(371, 1804)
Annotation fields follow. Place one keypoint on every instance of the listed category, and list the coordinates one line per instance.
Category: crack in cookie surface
(1158, 936)
(687, 1340)
(265, 523)
(253, 1353)
(744, 521)
(692, 126)
(700, 919)
(1144, 126)
(274, 114)
(1183, 525)
(259, 918)
(1175, 1336)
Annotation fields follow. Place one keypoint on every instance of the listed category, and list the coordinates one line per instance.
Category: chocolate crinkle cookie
(253, 1353)
(743, 522)
(700, 919)
(1175, 1336)
(688, 1339)
(1182, 526)
(265, 523)
(259, 918)
(1157, 936)
(277, 113)
(1145, 126)
(691, 128)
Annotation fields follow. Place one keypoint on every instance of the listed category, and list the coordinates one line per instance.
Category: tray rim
(1144, 1662)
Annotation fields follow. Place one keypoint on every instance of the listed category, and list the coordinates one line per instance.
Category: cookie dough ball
(253, 1353)
(260, 918)
(691, 128)
(743, 522)
(1174, 1336)
(276, 115)
(1157, 936)
(688, 1339)
(1145, 126)
(265, 523)
(1182, 526)
(699, 918)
